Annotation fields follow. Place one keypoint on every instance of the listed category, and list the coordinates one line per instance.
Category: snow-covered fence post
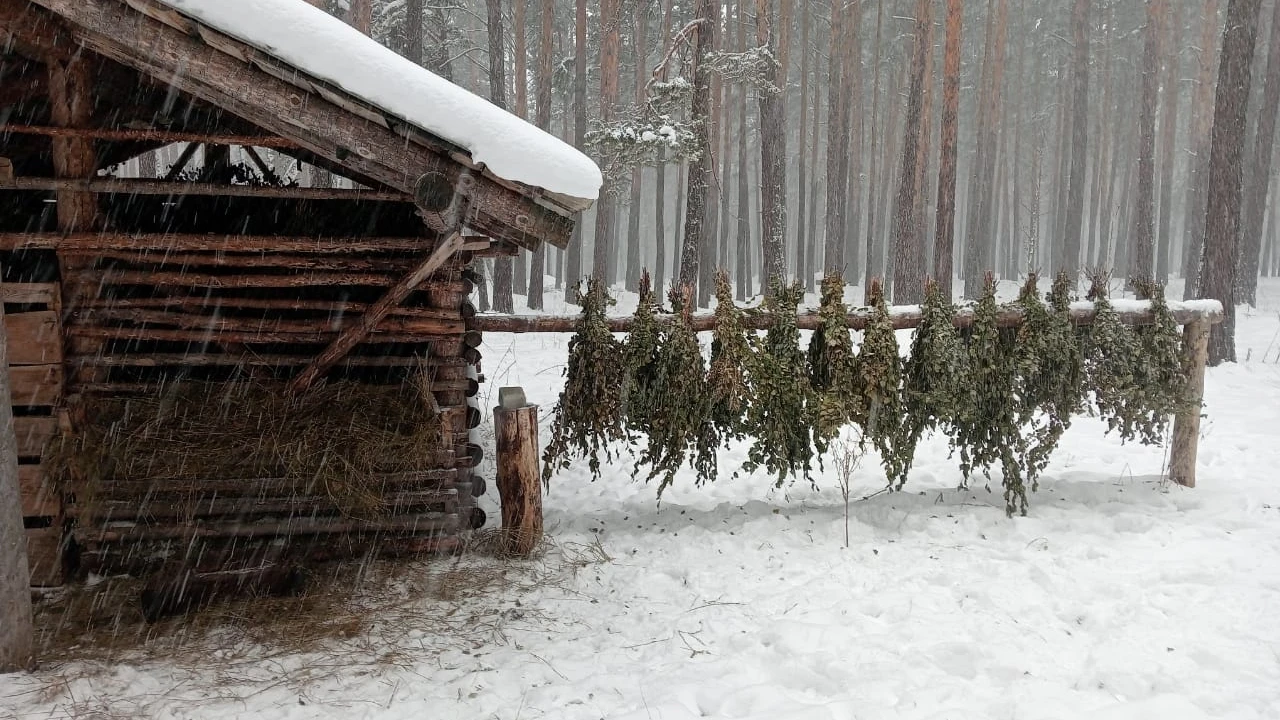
(519, 481)
(1186, 424)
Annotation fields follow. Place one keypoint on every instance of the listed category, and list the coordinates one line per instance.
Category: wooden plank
(38, 496)
(450, 346)
(273, 261)
(34, 338)
(432, 523)
(88, 242)
(152, 507)
(35, 385)
(33, 433)
(185, 63)
(206, 302)
(130, 186)
(44, 555)
(169, 490)
(441, 369)
(374, 317)
(215, 321)
(28, 293)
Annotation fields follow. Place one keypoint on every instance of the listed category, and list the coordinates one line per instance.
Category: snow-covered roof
(328, 49)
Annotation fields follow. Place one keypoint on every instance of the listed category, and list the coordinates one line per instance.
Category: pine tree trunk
(631, 278)
(573, 258)
(521, 81)
(1079, 139)
(503, 270)
(1144, 227)
(1198, 170)
(1168, 142)
(413, 16)
(773, 160)
(711, 232)
(852, 78)
(874, 255)
(802, 179)
(610, 43)
(743, 245)
(1226, 173)
(1258, 171)
(837, 139)
(944, 239)
(660, 184)
(699, 183)
(542, 118)
(908, 280)
(973, 247)
(360, 15)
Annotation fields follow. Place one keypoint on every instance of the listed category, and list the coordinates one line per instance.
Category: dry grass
(329, 442)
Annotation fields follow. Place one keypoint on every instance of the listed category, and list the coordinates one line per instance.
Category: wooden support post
(1186, 424)
(519, 479)
(15, 576)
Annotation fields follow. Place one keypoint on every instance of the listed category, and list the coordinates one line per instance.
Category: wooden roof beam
(246, 88)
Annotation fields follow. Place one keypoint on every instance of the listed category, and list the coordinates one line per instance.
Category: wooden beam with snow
(249, 84)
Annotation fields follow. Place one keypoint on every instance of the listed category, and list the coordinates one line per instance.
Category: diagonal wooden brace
(444, 206)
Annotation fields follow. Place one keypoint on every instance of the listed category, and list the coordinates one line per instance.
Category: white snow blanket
(328, 49)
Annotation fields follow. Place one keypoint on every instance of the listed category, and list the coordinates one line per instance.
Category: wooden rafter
(131, 186)
(164, 136)
(250, 86)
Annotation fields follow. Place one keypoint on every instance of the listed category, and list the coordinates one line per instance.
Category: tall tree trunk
(815, 190)
(1198, 169)
(743, 245)
(1226, 173)
(360, 15)
(875, 256)
(639, 45)
(542, 118)
(610, 43)
(852, 78)
(944, 239)
(700, 167)
(573, 259)
(973, 248)
(1258, 171)
(802, 179)
(908, 280)
(1144, 229)
(660, 184)
(1079, 139)
(773, 159)
(711, 232)
(413, 16)
(1168, 142)
(503, 271)
(521, 81)
(837, 138)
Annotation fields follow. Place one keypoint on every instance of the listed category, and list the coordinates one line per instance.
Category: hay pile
(331, 442)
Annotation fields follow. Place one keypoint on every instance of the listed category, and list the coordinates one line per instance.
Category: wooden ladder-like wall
(33, 323)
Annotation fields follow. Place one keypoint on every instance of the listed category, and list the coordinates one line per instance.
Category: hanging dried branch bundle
(987, 430)
(783, 411)
(640, 354)
(590, 413)
(1050, 383)
(933, 387)
(680, 424)
(833, 366)
(878, 379)
(727, 380)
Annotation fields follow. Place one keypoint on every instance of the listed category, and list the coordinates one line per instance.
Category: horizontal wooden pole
(275, 261)
(317, 526)
(441, 368)
(447, 346)
(187, 506)
(212, 302)
(76, 242)
(903, 318)
(419, 480)
(131, 186)
(160, 318)
(165, 136)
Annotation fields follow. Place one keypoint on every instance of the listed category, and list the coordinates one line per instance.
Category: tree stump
(1186, 424)
(519, 479)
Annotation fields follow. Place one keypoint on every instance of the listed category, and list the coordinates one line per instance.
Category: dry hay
(329, 442)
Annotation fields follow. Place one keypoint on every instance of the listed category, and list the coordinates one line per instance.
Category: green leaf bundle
(935, 373)
(833, 365)
(878, 379)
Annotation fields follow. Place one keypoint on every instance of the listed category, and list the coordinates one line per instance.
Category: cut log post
(1186, 424)
(519, 479)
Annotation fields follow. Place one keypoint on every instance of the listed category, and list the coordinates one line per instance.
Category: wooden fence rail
(1194, 316)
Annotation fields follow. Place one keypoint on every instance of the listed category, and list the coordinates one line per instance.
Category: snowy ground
(1120, 597)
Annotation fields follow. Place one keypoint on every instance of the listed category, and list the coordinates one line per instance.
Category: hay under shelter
(219, 363)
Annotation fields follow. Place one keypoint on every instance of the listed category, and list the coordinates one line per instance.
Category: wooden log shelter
(117, 287)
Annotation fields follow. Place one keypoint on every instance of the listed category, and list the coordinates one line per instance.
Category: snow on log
(1133, 312)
